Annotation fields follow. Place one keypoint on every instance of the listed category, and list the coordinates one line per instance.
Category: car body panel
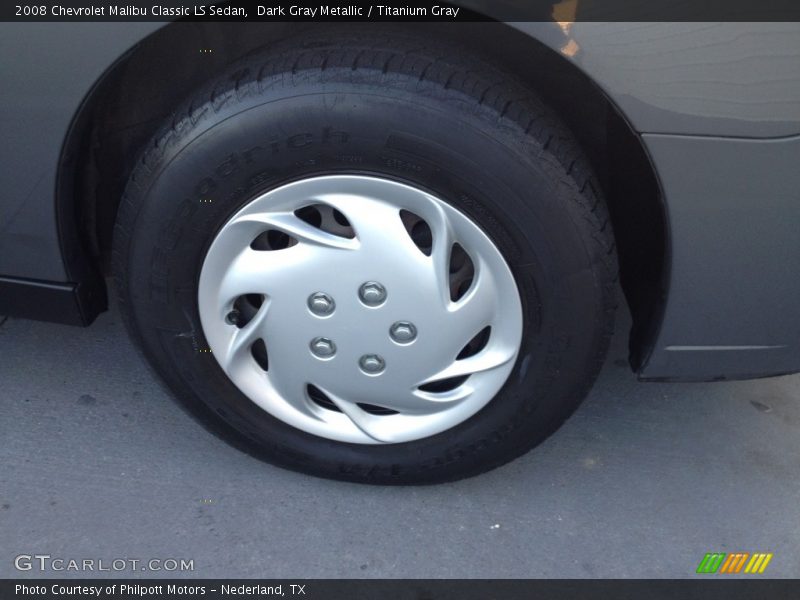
(718, 79)
(55, 66)
(733, 309)
(694, 90)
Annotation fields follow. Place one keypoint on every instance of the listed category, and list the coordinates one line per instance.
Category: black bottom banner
(399, 589)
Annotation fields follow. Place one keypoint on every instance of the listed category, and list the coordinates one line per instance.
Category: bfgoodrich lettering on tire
(369, 260)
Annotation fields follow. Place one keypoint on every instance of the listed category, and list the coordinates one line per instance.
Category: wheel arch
(113, 125)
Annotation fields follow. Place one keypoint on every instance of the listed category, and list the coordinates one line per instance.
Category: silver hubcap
(360, 309)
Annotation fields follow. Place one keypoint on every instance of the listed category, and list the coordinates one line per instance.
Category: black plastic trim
(67, 303)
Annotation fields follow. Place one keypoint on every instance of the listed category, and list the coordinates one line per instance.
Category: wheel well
(140, 91)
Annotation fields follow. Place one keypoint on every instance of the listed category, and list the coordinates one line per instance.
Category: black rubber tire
(415, 112)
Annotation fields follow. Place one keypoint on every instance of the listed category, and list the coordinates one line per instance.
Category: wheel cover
(344, 322)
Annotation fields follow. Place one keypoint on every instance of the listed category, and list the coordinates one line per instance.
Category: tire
(406, 112)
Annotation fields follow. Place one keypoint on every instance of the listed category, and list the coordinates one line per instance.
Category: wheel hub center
(372, 295)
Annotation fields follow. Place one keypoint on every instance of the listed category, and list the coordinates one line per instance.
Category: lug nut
(372, 293)
(321, 304)
(372, 364)
(322, 347)
(403, 332)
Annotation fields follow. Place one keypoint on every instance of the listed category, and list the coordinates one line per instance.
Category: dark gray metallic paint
(734, 291)
(54, 66)
(723, 79)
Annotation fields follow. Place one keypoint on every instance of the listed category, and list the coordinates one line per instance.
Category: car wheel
(369, 260)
